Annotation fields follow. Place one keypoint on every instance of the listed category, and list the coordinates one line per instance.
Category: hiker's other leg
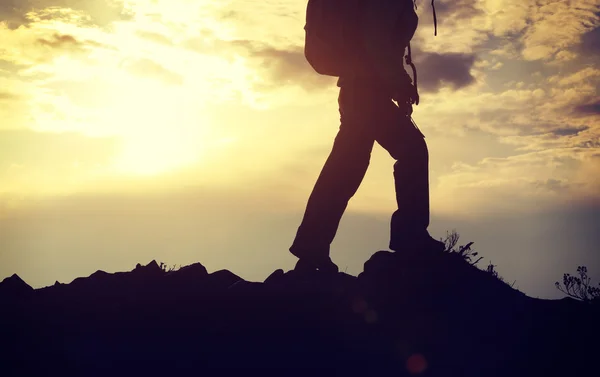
(406, 144)
(340, 177)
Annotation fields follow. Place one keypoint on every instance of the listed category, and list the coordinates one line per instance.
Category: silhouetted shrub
(468, 254)
(465, 252)
(579, 287)
(166, 268)
(491, 269)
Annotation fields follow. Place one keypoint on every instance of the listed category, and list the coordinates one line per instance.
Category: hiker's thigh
(397, 134)
(356, 136)
(349, 159)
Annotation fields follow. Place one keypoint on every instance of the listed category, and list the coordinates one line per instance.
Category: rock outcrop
(405, 314)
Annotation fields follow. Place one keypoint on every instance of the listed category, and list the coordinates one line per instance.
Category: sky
(190, 131)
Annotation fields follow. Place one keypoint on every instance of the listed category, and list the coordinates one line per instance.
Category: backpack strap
(408, 57)
(409, 61)
(434, 15)
(434, 18)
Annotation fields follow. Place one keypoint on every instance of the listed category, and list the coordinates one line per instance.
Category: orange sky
(193, 130)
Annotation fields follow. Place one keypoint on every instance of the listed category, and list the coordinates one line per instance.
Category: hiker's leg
(406, 144)
(340, 177)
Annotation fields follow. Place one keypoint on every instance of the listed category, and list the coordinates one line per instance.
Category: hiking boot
(424, 243)
(324, 264)
(313, 258)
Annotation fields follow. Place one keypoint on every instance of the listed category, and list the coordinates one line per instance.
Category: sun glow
(149, 83)
(156, 152)
(160, 129)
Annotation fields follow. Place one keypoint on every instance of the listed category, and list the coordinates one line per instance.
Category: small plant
(491, 269)
(579, 288)
(465, 252)
(468, 255)
(166, 268)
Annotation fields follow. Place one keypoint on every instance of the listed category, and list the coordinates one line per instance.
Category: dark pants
(367, 115)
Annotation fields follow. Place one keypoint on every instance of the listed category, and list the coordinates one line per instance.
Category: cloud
(546, 30)
(276, 23)
(437, 70)
(14, 102)
(521, 183)
(569, 131)
(462, 26)
(278, 66)
(555, 185)
(450, 11)
(60, 41)
(44, 150)
(590, 108)
(505, 18)
(12, 12)
(150, 69)
(37, 45)
(590, 42)
(155, 37)
(284, 67)
(554, 26)
(537, 113)
(40, 163)
(98, 12)
(288, 66)
(6, 96)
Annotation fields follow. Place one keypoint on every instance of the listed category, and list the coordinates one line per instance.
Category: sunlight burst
(159, 130)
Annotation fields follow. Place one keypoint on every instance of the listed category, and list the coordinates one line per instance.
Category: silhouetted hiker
(363, 42)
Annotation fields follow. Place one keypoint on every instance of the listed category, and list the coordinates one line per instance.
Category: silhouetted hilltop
(14, 288)
(407, 313)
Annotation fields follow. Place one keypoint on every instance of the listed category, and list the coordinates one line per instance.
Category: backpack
(333, 42)
(332, 39)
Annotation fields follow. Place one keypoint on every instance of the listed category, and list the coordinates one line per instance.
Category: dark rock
(222, 279)
(435, 275)
(151, 269)
(311, 281)
(426, 314)
(193, 270)
(188, 279)
(91, 291)
(276, 276)
(246, 286)
(99, 274)
(14, 288)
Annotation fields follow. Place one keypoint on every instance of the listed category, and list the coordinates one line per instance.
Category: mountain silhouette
(408, 313)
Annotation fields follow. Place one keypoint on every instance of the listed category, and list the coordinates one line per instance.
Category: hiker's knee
(413, 149)
(347, 163)
(352, 171)
(422, 152)
(353, 143)
(354, 164)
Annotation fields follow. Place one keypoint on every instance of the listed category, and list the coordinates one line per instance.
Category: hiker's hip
(365, 100)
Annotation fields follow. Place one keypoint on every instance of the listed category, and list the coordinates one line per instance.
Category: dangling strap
(409, 54)
(414, 70)
(434, 17)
